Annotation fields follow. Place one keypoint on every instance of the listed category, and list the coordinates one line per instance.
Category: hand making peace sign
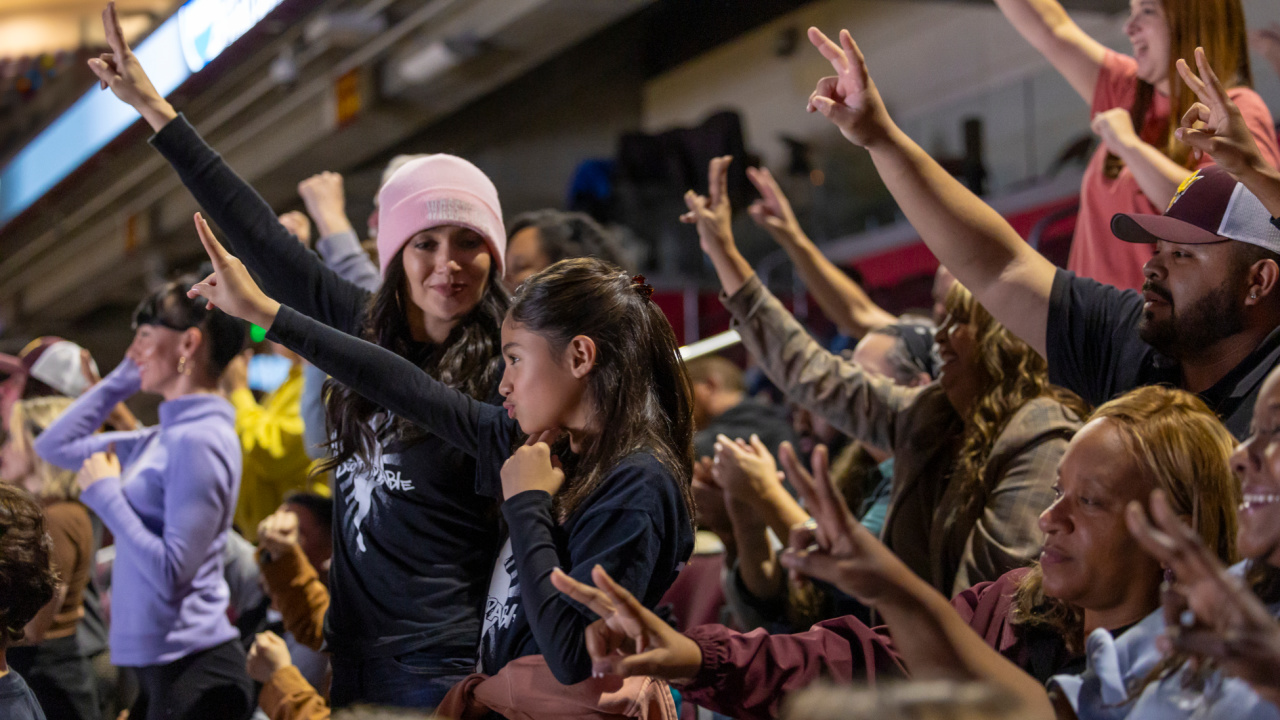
(850, 99)
(121, 71)
(230, 288)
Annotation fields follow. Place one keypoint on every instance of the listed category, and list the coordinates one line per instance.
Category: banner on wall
(180, 47)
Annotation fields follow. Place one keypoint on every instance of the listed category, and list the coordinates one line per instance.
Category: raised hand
(628, 639)
(278, 532)
(711, 213)
(1115, 128)
(836, 548)
(532, 467)
(1209, 613)
(326, 202)
(1215, 125)
(746, 470)
(268, 655)
(772, 211)
(708, 497)
(298, 225)
(121, 71)
(849, 99)
(230, 287)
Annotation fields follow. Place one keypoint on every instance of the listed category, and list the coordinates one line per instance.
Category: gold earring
(182, 365)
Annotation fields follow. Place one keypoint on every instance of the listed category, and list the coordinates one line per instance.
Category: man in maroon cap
(1207, 317)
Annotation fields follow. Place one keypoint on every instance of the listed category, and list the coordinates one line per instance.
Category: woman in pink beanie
(414, 543)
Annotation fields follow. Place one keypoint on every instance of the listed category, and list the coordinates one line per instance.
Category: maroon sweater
(746, 675)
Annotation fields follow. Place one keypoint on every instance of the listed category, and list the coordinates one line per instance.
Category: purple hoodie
(169, 512)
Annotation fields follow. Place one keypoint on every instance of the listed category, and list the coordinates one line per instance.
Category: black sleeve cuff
(180, 144)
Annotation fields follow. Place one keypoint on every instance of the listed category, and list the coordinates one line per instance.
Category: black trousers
(207, 685)
(61, 678)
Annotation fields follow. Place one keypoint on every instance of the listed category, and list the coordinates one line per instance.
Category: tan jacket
(288, 696)
(923, 431)
(295, 587)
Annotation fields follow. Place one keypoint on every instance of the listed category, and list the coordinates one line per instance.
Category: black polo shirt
(1094, 350)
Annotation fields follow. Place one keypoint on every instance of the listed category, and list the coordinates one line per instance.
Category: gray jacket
(925, 525)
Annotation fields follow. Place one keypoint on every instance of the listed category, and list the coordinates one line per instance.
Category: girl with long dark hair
(590, 355)
(167, 494)
(414, 544)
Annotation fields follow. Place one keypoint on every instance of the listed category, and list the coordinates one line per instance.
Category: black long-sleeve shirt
(635, 525)
(413, 543)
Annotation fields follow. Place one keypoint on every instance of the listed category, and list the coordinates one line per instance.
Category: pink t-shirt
(1095, 251)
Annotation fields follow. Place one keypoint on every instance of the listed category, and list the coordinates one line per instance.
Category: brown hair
(1013, 374)
(1183, 449)
(29, 418)
(1219, 27)
(468, 361)
(27, 577)
(639, 386)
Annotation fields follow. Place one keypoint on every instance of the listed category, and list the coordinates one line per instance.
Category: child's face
(544, 389)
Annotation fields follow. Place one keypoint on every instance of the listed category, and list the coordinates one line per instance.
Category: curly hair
(27, 577)
(1184, 450)
(1012, 375)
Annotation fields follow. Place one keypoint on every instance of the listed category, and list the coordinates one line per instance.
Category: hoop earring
(182, 365)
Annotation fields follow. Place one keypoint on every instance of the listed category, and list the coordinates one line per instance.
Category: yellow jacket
(275, 457)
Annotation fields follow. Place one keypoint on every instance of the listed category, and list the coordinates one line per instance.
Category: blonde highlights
(1181, 448)
(29, 418)
(1012, 375)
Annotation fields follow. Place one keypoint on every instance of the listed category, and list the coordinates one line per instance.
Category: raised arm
(380, 375)
(338, 246)
(1046, 25)
(74, 436)
(841, 299)
(288, 270)
(932, 638)
(981, 249)
(742, 675)
(840, 391)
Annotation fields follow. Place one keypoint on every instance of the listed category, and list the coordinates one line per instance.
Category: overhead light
(427, 63)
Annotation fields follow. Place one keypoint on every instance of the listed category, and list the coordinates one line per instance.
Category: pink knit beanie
(438, 190)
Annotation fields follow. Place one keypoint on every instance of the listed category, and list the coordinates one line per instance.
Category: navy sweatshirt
(635, 524)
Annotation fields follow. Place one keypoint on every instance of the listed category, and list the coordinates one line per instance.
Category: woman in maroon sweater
(1091, 574)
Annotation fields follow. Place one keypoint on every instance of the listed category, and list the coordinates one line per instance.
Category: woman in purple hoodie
(167, 493)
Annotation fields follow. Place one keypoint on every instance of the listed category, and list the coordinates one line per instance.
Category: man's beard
(1184, 334)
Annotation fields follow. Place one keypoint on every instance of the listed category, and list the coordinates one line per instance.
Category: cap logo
(1183, 188)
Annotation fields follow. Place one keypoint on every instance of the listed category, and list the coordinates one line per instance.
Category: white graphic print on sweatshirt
(500, 609)
(359, 481)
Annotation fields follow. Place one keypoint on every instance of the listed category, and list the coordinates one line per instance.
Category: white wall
(935, 63)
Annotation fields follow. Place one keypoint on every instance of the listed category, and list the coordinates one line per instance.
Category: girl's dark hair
(639, 384)
(469, 361)
(170, 307)
(570, 235)
(27, 576)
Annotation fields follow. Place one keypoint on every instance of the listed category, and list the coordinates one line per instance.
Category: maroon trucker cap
(1209, 207)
